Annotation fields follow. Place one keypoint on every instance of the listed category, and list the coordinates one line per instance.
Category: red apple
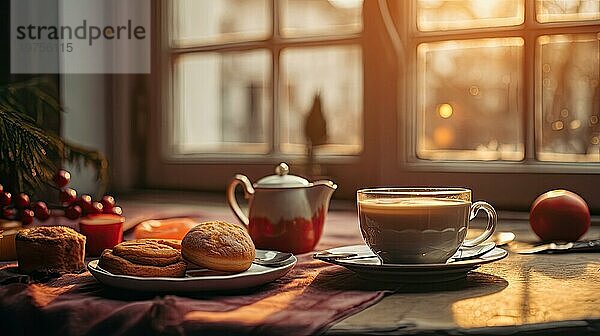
(559, 215)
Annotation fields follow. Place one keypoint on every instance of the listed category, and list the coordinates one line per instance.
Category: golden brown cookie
(147, 252)
(174, 243)
(50, 249)
(119, 265)
(219, 246)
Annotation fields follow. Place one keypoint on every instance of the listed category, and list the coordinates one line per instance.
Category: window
(481, 65)
(247, 74)
(499, 96)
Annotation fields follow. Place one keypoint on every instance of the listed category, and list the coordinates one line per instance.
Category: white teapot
(286, 213)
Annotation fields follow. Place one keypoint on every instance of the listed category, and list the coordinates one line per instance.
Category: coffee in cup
(419, 225)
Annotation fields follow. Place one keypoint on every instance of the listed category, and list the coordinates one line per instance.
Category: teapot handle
(248, 193)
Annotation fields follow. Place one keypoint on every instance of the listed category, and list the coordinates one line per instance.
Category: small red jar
(102, 231)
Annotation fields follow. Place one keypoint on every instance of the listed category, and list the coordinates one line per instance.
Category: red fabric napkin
(306, 301)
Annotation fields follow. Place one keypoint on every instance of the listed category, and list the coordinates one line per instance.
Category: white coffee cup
(419, 225)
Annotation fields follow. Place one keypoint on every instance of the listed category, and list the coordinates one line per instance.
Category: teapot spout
(330, 186)
(322, 191)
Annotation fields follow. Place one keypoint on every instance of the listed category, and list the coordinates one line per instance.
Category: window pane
(320, 17)
(469, 100)
(197, 22)
(463, 14)
(222, 102)
(334, 73)
(568, 103)
(567, 10)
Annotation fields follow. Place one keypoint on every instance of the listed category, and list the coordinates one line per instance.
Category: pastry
(144, 258)
(174, 243)
(119, 265)
(147, 252)
(50, 249)
(219, 246)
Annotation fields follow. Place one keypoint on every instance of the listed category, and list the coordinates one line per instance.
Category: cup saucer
(369, 266)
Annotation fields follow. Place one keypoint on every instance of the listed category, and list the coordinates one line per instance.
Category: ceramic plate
(370, 266)
(196, 279)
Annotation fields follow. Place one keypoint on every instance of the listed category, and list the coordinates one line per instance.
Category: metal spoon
(464, 253)
(502, 238)
(327, 255)
(272, 258)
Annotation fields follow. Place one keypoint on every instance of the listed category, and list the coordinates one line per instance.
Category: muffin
(50, 249)
(219, 246)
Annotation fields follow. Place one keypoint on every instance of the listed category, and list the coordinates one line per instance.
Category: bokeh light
(443, 136)
(575, 124)
(445, 110)
(557, 125)
(474, 90)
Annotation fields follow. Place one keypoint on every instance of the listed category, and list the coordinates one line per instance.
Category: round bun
(219, 246)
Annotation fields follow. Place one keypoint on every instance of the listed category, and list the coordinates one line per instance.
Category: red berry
(22, 200)
(5, 198)
(73, 212)
(85, 202)
(40, 206)
(108, 202)
(27, 217)
(62, 178)
(9, 213)
(114, 210)
(41, 211)
(96, 208)
(1, 188)
(68, 195)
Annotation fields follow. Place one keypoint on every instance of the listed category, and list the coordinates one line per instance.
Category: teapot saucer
(369, 266)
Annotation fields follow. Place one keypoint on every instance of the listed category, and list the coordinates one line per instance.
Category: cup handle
(491, 224)
(248, 193)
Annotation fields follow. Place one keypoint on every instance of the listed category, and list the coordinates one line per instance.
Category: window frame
(388, 156)
(165, 171)
(529, 31)
(275, 44)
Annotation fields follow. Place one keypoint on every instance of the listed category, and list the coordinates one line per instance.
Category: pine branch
(29, 155)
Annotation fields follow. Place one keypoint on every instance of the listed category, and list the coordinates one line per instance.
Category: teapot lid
(281, 179)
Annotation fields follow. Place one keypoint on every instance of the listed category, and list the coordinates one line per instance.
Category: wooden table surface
(541, 294)
(545, 294)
